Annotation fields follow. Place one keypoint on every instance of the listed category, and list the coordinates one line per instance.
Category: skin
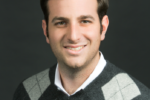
(74, 23)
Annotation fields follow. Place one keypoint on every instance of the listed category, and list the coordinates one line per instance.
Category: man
(74, 29)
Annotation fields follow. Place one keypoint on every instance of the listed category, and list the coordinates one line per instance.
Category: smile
(75, 48)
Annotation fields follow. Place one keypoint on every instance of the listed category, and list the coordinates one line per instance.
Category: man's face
(74, 31)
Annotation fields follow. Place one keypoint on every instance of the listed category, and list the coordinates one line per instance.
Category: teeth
(75, 49)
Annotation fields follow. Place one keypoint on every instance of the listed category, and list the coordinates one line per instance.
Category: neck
(73, 78)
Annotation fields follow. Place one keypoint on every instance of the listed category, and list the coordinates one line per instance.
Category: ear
(44, 26)
(105, 23)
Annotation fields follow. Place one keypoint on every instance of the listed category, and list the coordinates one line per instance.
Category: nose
(73, 33)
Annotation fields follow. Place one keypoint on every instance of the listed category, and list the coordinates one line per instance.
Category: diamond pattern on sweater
(120, 87)
(37, 84)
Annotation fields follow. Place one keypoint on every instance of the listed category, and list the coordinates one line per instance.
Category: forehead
(72, 8)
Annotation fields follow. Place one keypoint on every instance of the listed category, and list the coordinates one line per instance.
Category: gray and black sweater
(111, 84)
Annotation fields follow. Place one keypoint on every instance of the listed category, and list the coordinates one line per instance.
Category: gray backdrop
(24, 52)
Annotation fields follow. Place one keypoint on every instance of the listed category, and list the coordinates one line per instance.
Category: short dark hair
(102, 9)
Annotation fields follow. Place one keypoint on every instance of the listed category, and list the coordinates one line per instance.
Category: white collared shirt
(98, 69)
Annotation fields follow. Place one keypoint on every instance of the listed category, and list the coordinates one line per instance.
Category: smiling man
(74, 30)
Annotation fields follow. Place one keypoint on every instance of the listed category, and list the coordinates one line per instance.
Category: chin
(75, 63)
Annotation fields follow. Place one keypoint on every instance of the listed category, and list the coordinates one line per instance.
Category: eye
(60, 23)
(85, 21)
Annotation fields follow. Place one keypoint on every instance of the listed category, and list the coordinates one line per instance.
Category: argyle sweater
(111, 84)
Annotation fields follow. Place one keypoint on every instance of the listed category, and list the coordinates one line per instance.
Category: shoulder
(124, 86)
(38, 82)
(34, 86)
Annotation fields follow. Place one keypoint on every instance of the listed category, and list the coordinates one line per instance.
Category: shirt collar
(98, 69)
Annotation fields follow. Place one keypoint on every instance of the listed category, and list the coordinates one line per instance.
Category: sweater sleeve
(20, 93)
(145, 91)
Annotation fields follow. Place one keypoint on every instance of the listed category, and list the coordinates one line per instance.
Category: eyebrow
(66, 19)
(86, 17)
(59, 18)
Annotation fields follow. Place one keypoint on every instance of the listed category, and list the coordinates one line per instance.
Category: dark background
(24, 52)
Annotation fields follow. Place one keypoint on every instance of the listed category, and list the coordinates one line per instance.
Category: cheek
(92, 33)
(55, 36)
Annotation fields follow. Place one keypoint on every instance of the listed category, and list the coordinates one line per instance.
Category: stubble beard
(75, 68)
